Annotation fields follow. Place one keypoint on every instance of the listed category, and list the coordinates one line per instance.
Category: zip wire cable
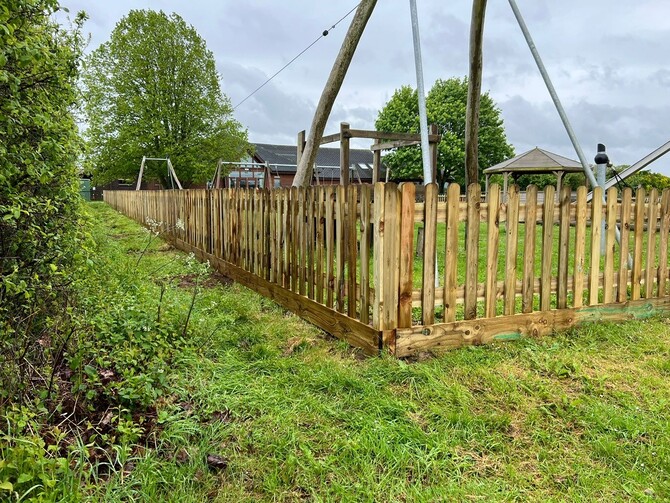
(325, 33)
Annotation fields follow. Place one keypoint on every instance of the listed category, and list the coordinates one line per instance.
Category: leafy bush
(30, 470)
(41, 236)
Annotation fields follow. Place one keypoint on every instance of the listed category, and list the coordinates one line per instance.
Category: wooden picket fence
(344, 258)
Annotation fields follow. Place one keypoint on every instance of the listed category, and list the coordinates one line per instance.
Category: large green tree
(40, 230)
(153, 90)
(446, 103)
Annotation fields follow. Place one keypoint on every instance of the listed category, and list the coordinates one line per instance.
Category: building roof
(536, 161)
(282, 159)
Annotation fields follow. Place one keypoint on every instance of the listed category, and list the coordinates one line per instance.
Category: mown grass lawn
(292, 414)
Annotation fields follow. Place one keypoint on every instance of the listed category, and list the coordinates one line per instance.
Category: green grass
(296, 415)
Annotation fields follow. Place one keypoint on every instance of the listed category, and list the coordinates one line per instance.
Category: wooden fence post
(379, 272)
(580, 246)
(563, 247)
(472, 250)
(511, 249)
(407, 203)
(493, 242)
(652, 222)
(451, 245)
(663, 243)
(596, 224)
(429, 254)
(344, 153)
(547, 246)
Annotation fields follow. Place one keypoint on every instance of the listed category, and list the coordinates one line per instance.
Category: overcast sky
(608, 60)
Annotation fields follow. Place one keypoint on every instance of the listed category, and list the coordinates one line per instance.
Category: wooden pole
(376, 162)
(174, 175)
(344, 153)
(303, 174)
(474, 92)
(139, 178)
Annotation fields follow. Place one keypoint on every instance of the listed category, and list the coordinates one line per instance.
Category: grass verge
(258, 405)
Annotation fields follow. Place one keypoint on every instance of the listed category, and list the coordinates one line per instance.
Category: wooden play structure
(382, 141)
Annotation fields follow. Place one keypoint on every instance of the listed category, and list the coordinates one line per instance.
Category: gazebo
(534, 162)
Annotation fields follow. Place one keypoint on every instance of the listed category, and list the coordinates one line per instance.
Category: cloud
(629, 133)
(607, 60)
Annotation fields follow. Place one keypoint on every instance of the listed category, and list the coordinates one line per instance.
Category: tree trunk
(303, 176)
(474, 92)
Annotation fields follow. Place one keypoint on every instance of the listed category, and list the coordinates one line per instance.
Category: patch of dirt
(419, 357)
(295, 344)
(214, 279)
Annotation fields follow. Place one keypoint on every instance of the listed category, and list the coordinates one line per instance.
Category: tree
(303, 175)
(40, 227)
(446, 103)
(643, 178)
(153, 90)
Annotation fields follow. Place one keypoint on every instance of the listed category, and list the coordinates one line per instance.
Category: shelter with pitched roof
(534, 162)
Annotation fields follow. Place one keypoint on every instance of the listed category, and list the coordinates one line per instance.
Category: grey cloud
(629, 132)
(613, 80)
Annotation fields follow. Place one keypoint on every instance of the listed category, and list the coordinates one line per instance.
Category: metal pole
(423, 116)
(559, 106)
(601, 161)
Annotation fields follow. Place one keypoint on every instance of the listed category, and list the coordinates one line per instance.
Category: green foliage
(133, 329)
(40, 228)
(572, 180)
(153, 90)
(446, 104)
(30, 470)
(643, 178)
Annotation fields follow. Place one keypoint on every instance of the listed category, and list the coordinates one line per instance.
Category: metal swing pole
(559, 107)
(423, 116)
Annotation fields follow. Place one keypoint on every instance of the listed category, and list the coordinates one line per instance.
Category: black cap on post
(601, 156)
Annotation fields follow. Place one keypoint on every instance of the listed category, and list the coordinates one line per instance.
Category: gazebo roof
(536, 161)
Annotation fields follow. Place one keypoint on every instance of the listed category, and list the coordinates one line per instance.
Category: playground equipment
(172, 176)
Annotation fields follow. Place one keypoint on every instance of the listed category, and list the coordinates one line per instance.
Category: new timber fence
(344, 258)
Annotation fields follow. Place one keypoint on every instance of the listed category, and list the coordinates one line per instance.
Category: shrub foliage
(40, 236)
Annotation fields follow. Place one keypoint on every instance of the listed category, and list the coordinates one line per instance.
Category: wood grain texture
(407, 198)
(429, 254)
(528, 293)
(663, 243)
(451, 243)
(476, 332)
(610, 243)
(391, 260)
(547, 247)
(492, 244)
(365, 227)
(379, 272)
(624, 269)
(650, 259)
(596, 230)
(637, 247)
(472, 250)
(563, 247)
(511, 251)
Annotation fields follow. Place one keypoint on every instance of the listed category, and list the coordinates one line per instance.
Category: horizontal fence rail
(373, 266)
